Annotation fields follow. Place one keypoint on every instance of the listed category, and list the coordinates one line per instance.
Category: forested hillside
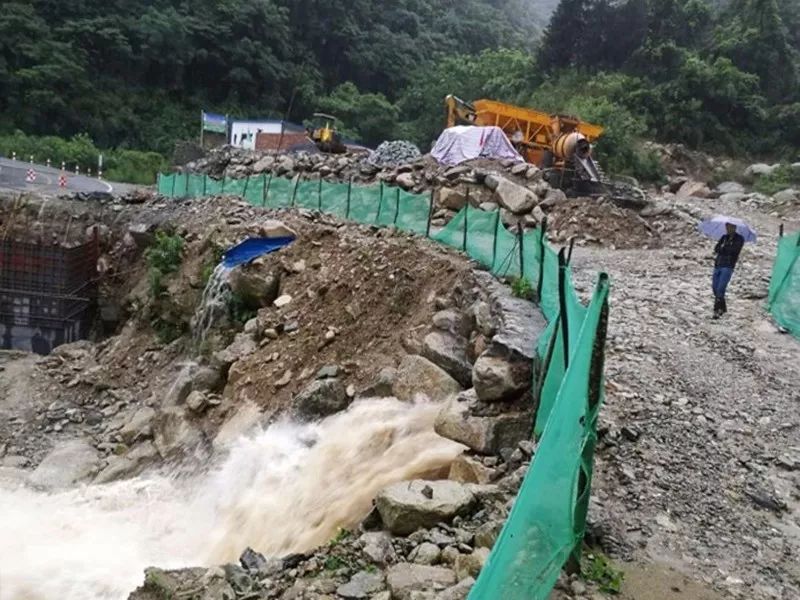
(723, 76)
(137, 72)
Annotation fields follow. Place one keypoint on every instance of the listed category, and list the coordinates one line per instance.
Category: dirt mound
(600, 222)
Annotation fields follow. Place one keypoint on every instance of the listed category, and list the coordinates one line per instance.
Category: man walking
(727, 253)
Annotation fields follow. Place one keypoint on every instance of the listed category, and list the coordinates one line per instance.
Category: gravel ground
(699, 464)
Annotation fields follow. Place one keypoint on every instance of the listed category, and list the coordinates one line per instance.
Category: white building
(243, 133)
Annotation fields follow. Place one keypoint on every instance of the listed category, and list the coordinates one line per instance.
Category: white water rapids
(284, 489)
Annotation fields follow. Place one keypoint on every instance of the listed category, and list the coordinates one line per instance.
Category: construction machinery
(324, 134)
(559, 144)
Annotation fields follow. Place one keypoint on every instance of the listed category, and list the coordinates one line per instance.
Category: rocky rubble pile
(517, 190)
(394, 153)
(779, 204)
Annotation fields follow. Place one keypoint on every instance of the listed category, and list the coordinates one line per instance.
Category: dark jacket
(727, 250)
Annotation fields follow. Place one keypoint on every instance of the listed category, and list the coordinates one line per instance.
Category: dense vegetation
(720, 76)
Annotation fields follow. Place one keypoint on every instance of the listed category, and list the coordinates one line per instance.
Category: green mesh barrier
(364, 203)
(306, 195)
(414, 212)
(784, 286)
(195, 187)
(481, 229)
(507, 254)
(334, 199)
(552, 351)
(452, 234)
(388, 206)
(213, 187)
(533, 242)
(279, 192)
(179, 182)
(165, 184)
(255, 190)
(547, 520)
(235, 187)
(549, 297)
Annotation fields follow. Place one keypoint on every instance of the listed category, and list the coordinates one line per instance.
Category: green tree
(369, 117)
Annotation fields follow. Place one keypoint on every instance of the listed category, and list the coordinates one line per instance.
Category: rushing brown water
(288, 488)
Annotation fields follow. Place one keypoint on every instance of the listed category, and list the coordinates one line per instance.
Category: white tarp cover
(457, 144)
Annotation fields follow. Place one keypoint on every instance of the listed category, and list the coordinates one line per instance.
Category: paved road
(14, 172)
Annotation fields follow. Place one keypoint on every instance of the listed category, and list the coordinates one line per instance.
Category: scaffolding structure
(47, 294)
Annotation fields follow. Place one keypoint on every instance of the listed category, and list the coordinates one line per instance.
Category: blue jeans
(720, 280)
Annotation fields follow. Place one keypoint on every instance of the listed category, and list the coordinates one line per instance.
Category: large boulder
(418, 375)
(273, 229)
(128, 465)
(553, 197)
(496, 378)
(516, 198)
(469, 565)
(450, 353)
(759, 170)
(733, 196)
(381, 387)
(410, 505)
(264, 164)
(786, 196)
(174, 434)
(361, 585)
(483, 434)
(255, 285)
(452, 199)
(321, 398)
(406, 181)
(466, 469)
(693, 189)
(405, 578)
(138, 427)
(241, 346)
(377, 546)
(67, 464)
(452, 321)
(729, 187)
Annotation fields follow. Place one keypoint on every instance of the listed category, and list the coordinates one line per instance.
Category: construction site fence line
(784, 287)
(545, 528)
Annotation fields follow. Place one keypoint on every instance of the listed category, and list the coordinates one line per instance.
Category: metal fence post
(319, 195)
(294, 191)
(521, 241)
(380, 204)
(396, 206)
(244, 192)
(430, 217)
(562, 303)
(349, 189)
(222, 190)
(174, 179)
(205, 183)
(466, 223)
(541, 260)
(494, 244)
(265, 193)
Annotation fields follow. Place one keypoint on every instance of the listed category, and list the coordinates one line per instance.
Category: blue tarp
(253, 248)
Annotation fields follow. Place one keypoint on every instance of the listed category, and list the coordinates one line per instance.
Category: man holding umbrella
(726, 254)
(731, 234)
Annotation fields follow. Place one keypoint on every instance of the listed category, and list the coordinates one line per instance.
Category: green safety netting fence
(546, 525)
(784, 286)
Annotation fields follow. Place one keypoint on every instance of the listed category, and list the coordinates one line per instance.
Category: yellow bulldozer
(324, 134)
(559, 144)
